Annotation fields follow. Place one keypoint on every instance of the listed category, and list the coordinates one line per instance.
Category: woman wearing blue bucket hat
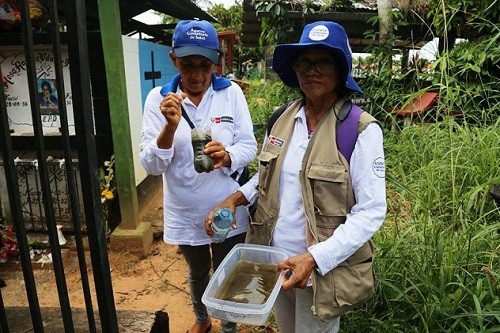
(320, 190)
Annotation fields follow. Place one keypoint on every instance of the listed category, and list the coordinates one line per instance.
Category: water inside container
(248, 282)
(199, 138)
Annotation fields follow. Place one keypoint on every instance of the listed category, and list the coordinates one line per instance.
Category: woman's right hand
(170, 107)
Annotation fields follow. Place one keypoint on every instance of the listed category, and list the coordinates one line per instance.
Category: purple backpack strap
(347, 130)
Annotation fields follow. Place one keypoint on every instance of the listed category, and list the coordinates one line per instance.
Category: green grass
(438, 254)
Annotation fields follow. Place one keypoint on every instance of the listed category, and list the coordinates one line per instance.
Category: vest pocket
(347, 285)
(326, 225)
(260, 229)
(257, 215)
(329, 185)
(267, 162)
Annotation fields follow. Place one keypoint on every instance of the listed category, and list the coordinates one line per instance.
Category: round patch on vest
(378, 167)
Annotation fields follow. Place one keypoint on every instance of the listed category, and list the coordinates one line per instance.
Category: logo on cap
(197, 34)
(319, 32)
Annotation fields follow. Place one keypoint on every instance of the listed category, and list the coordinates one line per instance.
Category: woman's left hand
(299, 268)
(218, 153)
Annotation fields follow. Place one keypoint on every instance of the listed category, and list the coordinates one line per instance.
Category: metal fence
(30, 192)
(36, 188)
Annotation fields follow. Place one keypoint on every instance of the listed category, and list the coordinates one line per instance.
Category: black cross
(152, 75)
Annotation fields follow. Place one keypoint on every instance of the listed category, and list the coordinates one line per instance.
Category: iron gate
(73, 23)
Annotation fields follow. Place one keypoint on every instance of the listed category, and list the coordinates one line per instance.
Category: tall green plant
(464, 18)
(438, 260)
(266, 96)
(467, 77)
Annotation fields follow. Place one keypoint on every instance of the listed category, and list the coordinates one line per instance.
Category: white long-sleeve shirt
(189, 195)
(367, 173)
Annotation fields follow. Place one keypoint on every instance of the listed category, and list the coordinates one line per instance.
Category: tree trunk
(385, 20)
(384, 8)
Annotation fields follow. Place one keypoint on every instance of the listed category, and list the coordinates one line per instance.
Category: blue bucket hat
(195, 38)
(328, 35)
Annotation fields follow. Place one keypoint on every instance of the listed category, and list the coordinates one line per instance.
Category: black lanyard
(185, 115)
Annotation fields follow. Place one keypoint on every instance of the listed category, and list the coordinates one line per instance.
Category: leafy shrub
(467, 77)
(438, 260)
(264, 97)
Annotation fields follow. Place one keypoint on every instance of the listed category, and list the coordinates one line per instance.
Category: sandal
(208, 329)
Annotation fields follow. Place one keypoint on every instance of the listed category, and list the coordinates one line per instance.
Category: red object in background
(419, 104)
(10, 13)
(8, 244)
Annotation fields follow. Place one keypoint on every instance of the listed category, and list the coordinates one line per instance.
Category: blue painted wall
(162, 64)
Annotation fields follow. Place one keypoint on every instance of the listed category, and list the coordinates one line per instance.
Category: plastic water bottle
(221, 224)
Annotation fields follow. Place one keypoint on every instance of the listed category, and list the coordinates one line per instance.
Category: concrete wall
(140, 58)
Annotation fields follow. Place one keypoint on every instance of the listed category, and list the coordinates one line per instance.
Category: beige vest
(328, 197)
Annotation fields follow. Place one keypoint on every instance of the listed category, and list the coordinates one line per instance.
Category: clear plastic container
(241, 309)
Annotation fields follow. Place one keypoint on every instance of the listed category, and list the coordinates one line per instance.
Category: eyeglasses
(326, 67)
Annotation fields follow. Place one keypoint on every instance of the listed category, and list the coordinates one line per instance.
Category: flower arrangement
(8, 243)
(108, 187)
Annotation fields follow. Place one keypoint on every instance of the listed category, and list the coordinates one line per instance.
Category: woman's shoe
(208, 329)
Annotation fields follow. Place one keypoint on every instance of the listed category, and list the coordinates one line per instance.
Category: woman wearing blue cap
(320, 189)
(197, 99)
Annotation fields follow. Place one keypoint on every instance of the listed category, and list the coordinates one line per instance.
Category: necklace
(310, 132)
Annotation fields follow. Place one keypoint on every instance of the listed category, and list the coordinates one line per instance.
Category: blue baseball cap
(193, 37)
(323, 34)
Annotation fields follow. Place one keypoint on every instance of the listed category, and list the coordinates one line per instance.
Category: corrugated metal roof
(160, 33)
(367, 4)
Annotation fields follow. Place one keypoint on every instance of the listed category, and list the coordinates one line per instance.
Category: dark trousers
(200, 259)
